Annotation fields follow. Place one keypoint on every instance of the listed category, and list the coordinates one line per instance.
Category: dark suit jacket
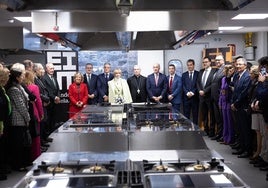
(102, 85)
(216, 84)
(157, 90)
(134, 85)
(176, 90)
(240, 94)
(53, 90)
(188, 85)
(43, 90)
(207, 87)
(92, 88)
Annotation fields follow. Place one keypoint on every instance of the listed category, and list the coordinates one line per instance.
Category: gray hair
(19, 67)
(37, 66)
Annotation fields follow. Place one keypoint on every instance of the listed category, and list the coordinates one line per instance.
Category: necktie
(156, 79)
(170, 84)
(88, 79)
(204, 78)
(106, 76)
(53, 80)
(191, 76)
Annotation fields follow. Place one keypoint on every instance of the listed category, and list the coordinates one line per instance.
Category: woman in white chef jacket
(118, 89)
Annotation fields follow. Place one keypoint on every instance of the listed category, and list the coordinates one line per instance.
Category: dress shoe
(257, 160)
(261, 164)
(225, 143)
(45, 145)
(49, 139)
(43, 149)
(220, 139)
(216, 137)
(211, 135)
(236, 147)
(264, 168)
(244, 155)
(239, 152)
(234, 144)
(22, 169)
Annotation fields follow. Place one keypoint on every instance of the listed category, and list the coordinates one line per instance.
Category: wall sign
(227, 52)
(66, 64)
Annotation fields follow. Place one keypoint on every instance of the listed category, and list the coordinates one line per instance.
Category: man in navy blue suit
(190, 93)
(91, 80)
(239, 105)
(156, 85)
(102, 83)
(174, 89)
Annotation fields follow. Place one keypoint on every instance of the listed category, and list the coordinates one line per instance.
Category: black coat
(135, 85)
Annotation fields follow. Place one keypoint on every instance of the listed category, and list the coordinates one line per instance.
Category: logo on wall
(65, 64)
(227, 52)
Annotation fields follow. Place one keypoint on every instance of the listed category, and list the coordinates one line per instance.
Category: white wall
(194, 51)
(146, 60)
(260, 41)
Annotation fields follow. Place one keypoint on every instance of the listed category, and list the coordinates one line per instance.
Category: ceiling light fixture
(230, 28)
(124, 7)
(250, 16)
(134, 35)
(24, 19)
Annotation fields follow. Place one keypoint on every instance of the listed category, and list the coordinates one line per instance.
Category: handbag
(27, 139)
(33, 127)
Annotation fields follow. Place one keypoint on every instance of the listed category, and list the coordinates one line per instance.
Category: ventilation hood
(99, 25)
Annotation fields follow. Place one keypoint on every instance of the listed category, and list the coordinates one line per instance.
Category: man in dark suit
(51, 83)
(137, 86)
(174, 88)
(156, 85)
(204, 88)
(190, 94)
(102, 83)
(239, 105)
(91, 80)
(216, 115)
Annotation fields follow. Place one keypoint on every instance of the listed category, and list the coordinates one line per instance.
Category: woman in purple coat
(225, 104)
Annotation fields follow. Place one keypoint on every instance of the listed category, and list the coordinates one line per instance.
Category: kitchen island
(137, 145)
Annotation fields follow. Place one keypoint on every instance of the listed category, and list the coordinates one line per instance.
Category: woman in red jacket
(78, 94)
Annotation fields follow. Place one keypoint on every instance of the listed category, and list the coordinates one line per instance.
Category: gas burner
(99, 168)
(76, 168)
(178, 166)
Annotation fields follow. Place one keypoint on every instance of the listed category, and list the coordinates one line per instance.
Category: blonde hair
(4, 76)
(254, 69)
(78, 74)
(29, 78)
(117, 71)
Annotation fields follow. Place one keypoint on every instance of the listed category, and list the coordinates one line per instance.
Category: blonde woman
(78, 94)
(37, 114)
(118, 89)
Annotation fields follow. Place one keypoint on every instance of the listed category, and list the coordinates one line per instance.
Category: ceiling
(100, 27)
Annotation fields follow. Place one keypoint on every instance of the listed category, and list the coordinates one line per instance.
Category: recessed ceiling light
(230, 28)
(24, 19)
(250, 16)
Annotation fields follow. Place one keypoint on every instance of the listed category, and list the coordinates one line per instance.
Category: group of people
(227, 101)
(233, 106)
(112, 88)
(27, 101)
